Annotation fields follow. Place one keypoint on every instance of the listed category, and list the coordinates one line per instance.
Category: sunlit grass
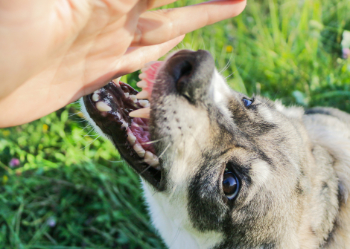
(72, 190)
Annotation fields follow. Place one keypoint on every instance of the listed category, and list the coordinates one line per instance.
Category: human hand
(55, 51)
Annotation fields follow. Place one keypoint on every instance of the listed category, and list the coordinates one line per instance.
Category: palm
(74, 47)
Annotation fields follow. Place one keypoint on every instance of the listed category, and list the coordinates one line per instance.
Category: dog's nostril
(190, 73)
(182, 76)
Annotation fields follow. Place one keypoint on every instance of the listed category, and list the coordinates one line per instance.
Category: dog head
(220, 169)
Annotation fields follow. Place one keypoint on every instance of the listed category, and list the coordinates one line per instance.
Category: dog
(221, 170)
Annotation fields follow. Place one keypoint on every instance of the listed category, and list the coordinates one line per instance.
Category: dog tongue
(147, 77)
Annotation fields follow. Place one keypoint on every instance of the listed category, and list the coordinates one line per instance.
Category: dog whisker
(175, 237)
(90, 143)
(229, 76)
(166, 148)
(227, 64)
(154, 141)
(147, 168)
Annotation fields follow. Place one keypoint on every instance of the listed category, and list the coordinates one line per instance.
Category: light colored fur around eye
(260, 173)
(266, 114)
(294, 112)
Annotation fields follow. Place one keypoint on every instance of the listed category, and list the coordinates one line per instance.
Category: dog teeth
(143, 95)
(126, 95)
(103, 107)
(131, 137)
(124, 124)
(139, 150)
(148, 157)
(140, 113)
(147, 65)
(95, 97)
(142, 76)
(144, 103)
(141, 84)
(116, 81)
(151, 159)
(133, 98)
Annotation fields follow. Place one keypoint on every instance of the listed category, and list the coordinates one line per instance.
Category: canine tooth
(154, 163)
(140, 113)
(103, 107)
(126, 95)
(116, 81)
(148, 64)
(143, 95)
(144, 103)
(95, 97)
(141, 84)
(151, 159)
(148, 156)
(142, 76)
(133, 97)
(139, 150)
(131, 137)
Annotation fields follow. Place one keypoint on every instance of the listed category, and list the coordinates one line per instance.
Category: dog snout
(191, 72)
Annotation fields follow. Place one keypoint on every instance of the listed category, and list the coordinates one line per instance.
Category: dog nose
(191, 72)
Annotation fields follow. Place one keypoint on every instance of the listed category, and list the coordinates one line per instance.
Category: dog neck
(173, 224)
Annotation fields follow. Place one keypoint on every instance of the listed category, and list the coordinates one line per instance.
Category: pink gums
(140, 129)
(139, 126)
(151, 74)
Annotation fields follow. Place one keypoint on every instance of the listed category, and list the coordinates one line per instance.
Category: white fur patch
(221, 92)
(260, 172)
(291, 112)
(169, 215)
(267, 114)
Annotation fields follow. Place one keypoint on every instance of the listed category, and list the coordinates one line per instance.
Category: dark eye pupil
(247, 102)
(229, 184)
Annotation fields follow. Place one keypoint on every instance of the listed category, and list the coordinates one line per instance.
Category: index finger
(158, 3)
(159, 26)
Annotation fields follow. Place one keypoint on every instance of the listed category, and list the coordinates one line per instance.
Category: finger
(136, 57)
(159, 26)
(158, 3)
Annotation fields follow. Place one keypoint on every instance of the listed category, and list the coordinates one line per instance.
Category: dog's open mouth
(110, 108)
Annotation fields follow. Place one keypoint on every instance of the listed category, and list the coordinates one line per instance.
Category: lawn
(69, 188)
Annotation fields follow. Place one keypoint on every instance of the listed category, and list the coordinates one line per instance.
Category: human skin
(53, 52)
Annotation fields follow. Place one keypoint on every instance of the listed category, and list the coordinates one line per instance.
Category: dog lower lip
(109, 107)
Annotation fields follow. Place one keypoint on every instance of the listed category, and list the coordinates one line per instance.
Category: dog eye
(230, 185)
(247, 102)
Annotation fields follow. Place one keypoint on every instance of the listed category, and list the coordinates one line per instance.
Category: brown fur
(293, 165)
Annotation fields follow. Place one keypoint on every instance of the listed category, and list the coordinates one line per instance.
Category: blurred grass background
(70, 189)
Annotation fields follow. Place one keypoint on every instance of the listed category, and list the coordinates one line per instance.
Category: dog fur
(293, 166)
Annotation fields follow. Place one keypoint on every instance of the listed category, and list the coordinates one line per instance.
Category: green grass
(72, 190)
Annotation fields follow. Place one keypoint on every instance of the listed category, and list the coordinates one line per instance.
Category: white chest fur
(171, 219)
